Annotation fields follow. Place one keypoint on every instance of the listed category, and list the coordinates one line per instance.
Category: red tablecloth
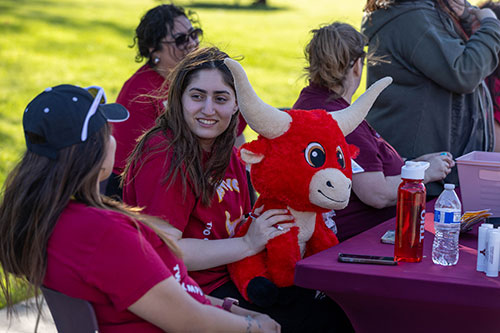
(409, 297)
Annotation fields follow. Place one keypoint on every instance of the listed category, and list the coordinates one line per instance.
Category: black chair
(71, 315)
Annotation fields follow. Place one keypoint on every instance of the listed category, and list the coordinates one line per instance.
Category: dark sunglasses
(183, 39)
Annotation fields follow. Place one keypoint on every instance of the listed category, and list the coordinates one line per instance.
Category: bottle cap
(414, 170)
(449, 186)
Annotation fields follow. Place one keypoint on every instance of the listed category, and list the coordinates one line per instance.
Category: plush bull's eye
(315, 154)
(340, 157)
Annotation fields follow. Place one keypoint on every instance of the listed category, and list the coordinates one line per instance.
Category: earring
(156, 60)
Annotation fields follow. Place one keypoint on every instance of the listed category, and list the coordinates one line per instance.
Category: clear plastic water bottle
(447, 213)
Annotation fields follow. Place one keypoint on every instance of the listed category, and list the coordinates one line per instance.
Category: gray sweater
(437, 101)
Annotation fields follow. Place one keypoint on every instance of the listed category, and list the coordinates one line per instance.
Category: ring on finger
(252, 215)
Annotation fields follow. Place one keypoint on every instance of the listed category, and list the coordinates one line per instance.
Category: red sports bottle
(410, 213)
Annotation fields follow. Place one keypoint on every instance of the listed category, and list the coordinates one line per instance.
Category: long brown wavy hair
(202, 176)
(35, 194)
(373, 5)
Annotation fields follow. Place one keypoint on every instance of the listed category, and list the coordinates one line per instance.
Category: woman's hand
(258, 322)
(458, 6)
(440, 165)
(481, 14)
(263, 227)
(264, 323)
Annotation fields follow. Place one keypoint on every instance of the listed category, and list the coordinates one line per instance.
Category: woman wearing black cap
(58, 231)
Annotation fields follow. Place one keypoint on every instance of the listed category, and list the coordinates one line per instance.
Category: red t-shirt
(144, 98)
(143, 188)
(375, 154)
(99, 255)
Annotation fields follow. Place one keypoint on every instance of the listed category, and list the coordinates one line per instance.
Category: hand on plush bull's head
(301, 157)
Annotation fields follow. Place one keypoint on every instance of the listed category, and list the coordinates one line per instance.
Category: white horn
(349, 118)
(261, 117)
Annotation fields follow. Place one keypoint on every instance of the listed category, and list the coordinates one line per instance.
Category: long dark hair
(373, 5)
(156, 24)
(35, 194)
(202, 175)
(444, 10)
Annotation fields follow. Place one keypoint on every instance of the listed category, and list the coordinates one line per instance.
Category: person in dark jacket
(438, 101)
(493, 81)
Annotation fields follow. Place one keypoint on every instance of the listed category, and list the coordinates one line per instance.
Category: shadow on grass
(235, 6)
(40, 10)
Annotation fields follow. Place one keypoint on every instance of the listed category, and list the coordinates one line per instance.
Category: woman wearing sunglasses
(58, 231)
(164, 36)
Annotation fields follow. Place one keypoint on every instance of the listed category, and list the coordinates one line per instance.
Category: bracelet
(251, 215)
(228, 303)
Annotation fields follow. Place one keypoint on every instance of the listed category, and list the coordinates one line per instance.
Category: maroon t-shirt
(375, 154)
(100, 256)
(143, 188)
(242, 124)
(144, 95)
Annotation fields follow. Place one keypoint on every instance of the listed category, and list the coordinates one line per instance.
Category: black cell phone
(388, 237)
(366, 259)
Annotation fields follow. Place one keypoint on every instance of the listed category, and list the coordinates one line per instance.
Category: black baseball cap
(65, 115)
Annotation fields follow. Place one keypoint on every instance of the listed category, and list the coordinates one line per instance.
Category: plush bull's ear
(354, 151)
(250, 157)
(253, 152)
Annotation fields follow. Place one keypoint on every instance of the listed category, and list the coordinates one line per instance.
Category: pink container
(479, 175)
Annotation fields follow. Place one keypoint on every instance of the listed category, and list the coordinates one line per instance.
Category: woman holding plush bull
(185, 170)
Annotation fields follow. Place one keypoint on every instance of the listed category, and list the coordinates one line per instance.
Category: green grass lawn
(84, 42)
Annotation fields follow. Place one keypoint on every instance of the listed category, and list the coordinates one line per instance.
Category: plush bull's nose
(329, 184)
